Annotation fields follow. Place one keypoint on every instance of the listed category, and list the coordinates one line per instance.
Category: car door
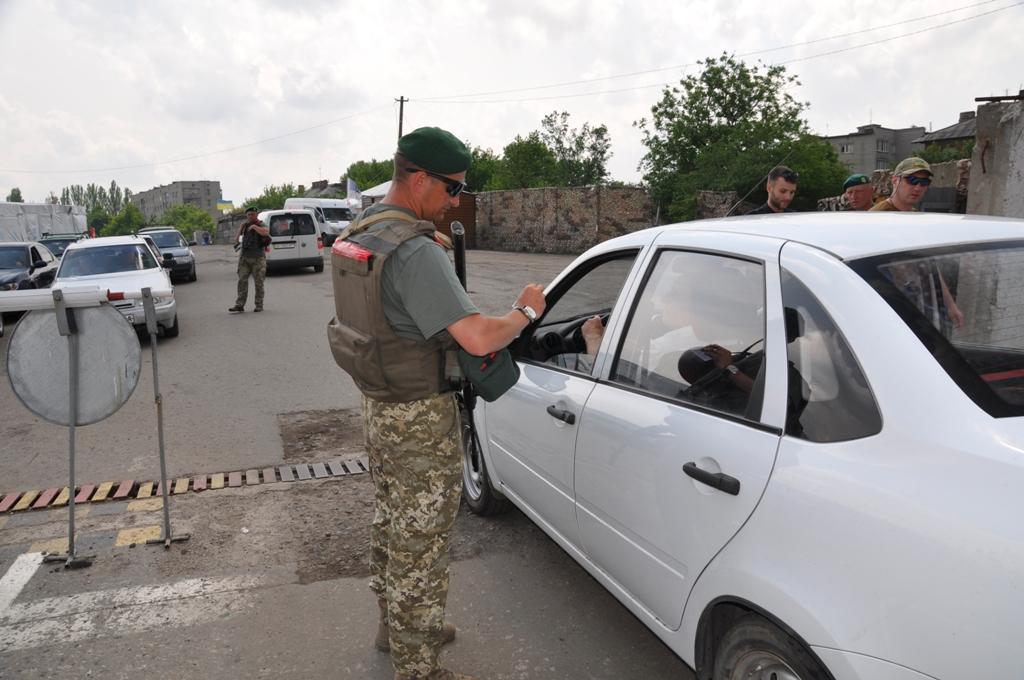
(676, 447)
(42, 277)
(531, 431)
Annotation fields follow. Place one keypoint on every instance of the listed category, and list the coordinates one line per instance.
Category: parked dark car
(57, 243)
(181, 264)
(24, 265)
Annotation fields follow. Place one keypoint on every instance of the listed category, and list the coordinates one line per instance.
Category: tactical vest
(383, 365)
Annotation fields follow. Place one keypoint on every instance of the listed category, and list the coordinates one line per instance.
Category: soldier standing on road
(252, 260)
(400, 309)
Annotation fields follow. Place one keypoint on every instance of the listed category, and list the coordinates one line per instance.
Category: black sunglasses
(914, 181)
(453, 186)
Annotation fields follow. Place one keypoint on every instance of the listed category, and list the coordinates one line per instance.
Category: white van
(334, 214)
(295, 239)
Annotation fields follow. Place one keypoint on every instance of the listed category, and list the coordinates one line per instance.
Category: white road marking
(17, 576)
(122, 611)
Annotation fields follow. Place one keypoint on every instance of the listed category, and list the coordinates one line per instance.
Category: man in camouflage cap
(858, 192)
(399, 309)
(910, 182)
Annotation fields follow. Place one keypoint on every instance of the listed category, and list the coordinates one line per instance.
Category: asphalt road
(272, 581)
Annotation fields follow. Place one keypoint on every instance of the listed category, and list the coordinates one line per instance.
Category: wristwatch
(529, 311)
(732, 369)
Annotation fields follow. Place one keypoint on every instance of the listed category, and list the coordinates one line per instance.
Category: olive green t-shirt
(421, 294)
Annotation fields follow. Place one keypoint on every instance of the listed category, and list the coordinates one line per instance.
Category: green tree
(273, 197)
(368, 174)
(582, 155)
(98, 219)
(725, 129)
(483, 170)
(188, 219)
(935, 153)
(128, 221)
(15, 196)
(527, 163)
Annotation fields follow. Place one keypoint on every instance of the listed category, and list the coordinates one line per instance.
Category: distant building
(873, 147)
(956, 134)
(202, 194)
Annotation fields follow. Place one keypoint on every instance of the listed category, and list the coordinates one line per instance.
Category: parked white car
(798, 451)
(121, 264)
(333, 214)
(296, 240)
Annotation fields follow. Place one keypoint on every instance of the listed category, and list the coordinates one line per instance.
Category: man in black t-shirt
(781, 188)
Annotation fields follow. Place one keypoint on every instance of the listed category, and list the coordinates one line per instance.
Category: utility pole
(401, 111)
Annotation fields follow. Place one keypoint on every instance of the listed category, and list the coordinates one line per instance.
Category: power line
(202, 155)
(457, 99)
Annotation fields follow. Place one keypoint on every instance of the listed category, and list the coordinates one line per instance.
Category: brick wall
(559, 220)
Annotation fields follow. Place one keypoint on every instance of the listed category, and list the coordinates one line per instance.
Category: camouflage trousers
(255, 267)
(415, 455)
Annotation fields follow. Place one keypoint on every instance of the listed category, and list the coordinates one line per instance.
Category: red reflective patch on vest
(351, 251)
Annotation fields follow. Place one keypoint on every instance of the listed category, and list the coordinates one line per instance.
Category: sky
(259, 92)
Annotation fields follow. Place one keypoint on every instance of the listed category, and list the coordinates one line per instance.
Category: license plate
(282, 246)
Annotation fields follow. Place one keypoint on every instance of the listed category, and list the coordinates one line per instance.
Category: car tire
(481, 497)
(755, 648)
(192, 275)
(318, 267)
(172, 330)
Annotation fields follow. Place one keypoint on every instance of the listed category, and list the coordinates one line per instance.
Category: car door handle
(716, 480)
(562, 414)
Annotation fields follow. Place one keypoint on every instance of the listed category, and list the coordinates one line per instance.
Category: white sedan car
(796, 450)
(121, 264)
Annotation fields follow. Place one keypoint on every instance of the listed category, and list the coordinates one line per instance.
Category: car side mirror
(192, 243)
(38, 264)
(168, 260)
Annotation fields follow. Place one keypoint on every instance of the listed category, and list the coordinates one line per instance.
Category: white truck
(33, 221)
(333, 214)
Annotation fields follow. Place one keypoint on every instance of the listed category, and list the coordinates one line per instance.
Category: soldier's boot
(439, 674)
(384, 644)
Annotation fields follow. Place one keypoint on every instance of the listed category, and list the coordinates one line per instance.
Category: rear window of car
(338, 214)
(292, 225)
(127, 257)
(57, 245)
(167, 239)
(966, 305)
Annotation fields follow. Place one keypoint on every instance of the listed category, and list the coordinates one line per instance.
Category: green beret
(436, 150)
(251, 208)
(854, 180)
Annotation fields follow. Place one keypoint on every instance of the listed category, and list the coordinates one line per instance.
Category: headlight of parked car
(162, 300)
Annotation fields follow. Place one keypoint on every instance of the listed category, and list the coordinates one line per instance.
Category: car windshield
(964, 303)
(128, 257)
(167, 239)
(57, 246)
(337, 214)
(13, 257)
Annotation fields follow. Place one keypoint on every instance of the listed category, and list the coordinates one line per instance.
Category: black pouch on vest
(492, 375)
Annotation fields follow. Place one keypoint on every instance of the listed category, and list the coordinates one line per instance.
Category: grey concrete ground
(272, 582)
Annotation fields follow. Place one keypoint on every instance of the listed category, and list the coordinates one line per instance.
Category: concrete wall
(997, 166)
(559, 220)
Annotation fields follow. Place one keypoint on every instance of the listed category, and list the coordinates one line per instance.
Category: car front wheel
(192, 275)
(172, 330)
(755, 649)
(480, 496)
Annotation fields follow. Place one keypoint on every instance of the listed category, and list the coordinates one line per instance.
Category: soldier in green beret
(399, 310)
(858, 192)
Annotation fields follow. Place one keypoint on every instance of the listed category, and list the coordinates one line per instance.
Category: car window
(106, 260)
(696, 333)
(338, 214)
(36, 257)
(13, 257)
(964, 304)
(557, 340)
(46, 254)
(292, 225)
(829, 398)
(168, 239)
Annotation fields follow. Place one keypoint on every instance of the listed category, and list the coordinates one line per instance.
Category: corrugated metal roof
(964, 130)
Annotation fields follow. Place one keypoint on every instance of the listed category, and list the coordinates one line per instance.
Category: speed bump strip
(217, 480)
(181, 486)
(268, 476)
(286, 473)
(26, 500)
(146, 505)
(337, 469)
(84, 493)
(302, 471)
(235, 479)
(45, 498)
(145, 490)
(126, 537)
(102, 492)
(199, 483)
(124, 489)
(252, 477)
(54, 546)
(9, 500)
(319, 470)
(62, 498)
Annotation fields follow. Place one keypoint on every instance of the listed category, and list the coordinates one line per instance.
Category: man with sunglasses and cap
(399, 310)
(781, 188)
(910, 182)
